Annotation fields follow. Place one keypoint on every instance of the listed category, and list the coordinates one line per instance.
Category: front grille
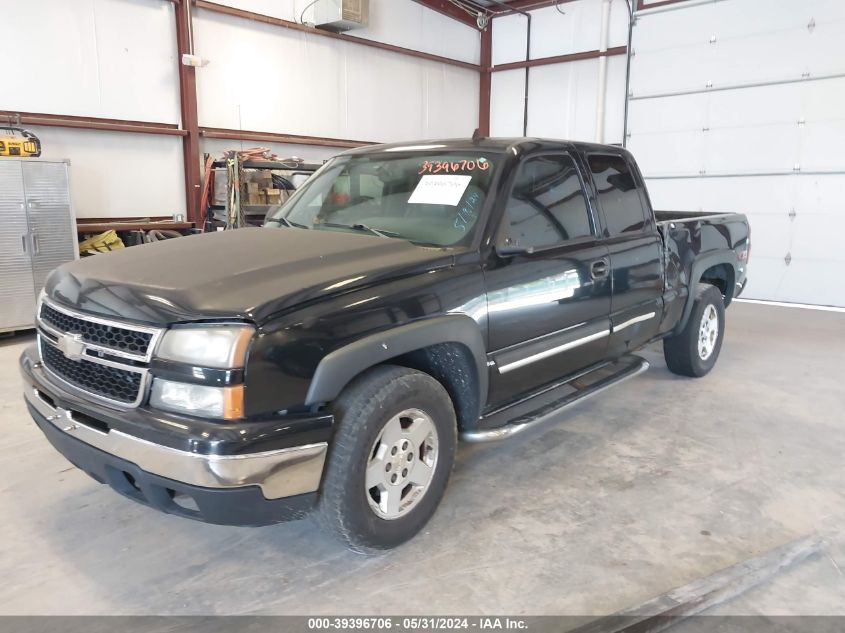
(112, 383)
(108, 336)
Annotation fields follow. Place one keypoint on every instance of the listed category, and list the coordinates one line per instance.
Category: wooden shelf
(100, 227)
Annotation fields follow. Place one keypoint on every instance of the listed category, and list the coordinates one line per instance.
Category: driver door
(548, 284)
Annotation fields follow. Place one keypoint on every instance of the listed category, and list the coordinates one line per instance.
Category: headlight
(201, 400)
(218, 346)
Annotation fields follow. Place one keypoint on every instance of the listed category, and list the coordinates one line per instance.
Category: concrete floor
(654, 484)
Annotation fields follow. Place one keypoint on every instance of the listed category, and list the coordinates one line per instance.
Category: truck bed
(706, 246)
(670, 216)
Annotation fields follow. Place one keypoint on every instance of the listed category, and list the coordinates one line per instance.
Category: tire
(687, 353)
(368, 426)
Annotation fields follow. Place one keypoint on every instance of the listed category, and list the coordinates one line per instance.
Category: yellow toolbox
(16, 141)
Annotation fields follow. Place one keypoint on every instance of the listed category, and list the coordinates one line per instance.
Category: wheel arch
(450, 348)
(722, 276)
(715, 269)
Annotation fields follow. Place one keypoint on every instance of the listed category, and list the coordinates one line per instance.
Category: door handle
(599, 269)
(23, 242)
(35, 248)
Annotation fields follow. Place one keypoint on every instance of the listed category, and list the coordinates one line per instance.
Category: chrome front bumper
(278, 473)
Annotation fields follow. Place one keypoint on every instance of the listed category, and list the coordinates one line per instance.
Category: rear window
(547, 205)
(617, 193)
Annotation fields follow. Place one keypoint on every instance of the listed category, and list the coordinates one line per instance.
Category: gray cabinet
(37, 233)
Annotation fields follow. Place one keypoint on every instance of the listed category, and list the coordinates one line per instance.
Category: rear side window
(546, 206)
(617, 193)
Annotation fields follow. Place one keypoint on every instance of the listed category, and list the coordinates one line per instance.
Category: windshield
(422, 197)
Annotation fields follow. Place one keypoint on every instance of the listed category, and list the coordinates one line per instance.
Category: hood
(248, 274)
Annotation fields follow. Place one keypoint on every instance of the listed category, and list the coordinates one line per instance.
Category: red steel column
(484, 80)
(188, 103)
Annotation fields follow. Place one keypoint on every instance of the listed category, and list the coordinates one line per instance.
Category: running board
(580, 388)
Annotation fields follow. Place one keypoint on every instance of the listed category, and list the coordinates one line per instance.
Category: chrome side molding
(558, 349)
(636, 319)
(503, 369)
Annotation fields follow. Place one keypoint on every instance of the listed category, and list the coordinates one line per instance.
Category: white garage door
(739, 105)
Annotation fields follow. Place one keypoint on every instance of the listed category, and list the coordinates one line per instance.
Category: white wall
(562, 97)
(100, 58)
(397, 22)
(261, 77)
(116, 175)
(770, 151)
(117, 59)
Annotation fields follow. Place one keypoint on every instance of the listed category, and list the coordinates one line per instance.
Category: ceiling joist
(490, 8)
(450, 10)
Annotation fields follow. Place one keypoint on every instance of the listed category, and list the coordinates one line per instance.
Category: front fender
(339, 367)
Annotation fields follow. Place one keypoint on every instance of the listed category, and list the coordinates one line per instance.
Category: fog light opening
(186, 502)
(131, 481)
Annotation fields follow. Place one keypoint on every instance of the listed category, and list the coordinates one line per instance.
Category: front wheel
(693, 352)
(390, 459)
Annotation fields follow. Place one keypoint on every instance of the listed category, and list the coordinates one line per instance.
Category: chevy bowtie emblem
(72, 345)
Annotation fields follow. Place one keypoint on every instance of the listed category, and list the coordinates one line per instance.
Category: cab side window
(546, 205)
(618, 194)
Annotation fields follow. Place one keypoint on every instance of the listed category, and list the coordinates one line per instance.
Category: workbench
(90, 226)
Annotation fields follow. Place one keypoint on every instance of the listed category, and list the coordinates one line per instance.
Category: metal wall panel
(119, 175)
(562, 100)
(562, 97)
(724, 92)
(553, 33)
(398, 22)
(97, 58)
(507, 96)
(293, 82)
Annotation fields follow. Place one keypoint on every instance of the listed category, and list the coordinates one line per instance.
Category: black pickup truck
(406, 295)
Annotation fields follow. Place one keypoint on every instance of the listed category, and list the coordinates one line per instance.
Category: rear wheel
(694, 351)
(390, 460)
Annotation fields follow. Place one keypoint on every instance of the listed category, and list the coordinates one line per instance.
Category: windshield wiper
(379, 232)
(289, 223)
(361, 227)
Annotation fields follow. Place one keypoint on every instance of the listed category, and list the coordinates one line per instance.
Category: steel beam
(188, 106)
(485, 81)
(273, 137)
(91, 123)
(641, 5)
(562, 59)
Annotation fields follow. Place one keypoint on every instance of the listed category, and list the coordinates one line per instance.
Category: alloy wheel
(708, 332)
(402, 463)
